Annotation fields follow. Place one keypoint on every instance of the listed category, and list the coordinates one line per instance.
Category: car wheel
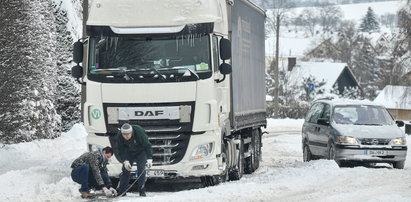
(398, 164)
(306, 153)
(332, 154)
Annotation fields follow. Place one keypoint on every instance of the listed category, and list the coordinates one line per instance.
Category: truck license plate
(376, 152)
(156, 173)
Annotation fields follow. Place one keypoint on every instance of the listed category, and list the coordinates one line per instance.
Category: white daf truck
(190, 72)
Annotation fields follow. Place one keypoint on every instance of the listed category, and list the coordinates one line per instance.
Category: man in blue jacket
(134, 147)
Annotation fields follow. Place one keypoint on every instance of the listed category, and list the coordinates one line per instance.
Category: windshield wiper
(191, 71)
(163, 77)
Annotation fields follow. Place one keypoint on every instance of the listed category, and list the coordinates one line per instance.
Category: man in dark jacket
(90, 171)
(134, 147)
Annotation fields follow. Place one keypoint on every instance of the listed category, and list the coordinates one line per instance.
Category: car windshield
(132, 58)
(362, 115)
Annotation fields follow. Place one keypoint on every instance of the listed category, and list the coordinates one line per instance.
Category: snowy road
(39, 171)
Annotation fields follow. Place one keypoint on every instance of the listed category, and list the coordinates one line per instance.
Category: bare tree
(329, 17)
(309, 20)
(279, 13)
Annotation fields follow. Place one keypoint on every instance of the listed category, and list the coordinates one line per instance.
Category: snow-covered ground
(40, 171)
(297, 44)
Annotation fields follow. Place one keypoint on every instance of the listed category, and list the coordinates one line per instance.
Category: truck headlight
(202, 151)
(347, 140)
(399, 141)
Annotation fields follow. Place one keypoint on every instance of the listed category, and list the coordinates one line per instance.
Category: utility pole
(85, 16)
(276, 72)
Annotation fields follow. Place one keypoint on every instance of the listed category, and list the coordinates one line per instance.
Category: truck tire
(237, 172)
(399, 164)
(258, 149)
(251, 161)
(214, 180)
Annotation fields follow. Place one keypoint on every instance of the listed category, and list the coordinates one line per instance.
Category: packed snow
(40, 171)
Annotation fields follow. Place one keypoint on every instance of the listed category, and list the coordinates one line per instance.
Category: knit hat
(126, 129)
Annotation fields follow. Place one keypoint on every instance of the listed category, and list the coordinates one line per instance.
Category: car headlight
(399, 141)
(347, 140)
(202, 151)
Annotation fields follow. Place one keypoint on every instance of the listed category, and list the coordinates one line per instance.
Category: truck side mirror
(225, 49)
(225, 68)
(78, 52)
(77, 71)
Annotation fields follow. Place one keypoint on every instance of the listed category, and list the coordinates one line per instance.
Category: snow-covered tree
(68, 89)
(27, 71)
(370, 23)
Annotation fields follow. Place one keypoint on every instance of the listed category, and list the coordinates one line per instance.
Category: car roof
(345, 102)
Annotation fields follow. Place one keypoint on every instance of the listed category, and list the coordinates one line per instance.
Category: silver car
(353, 132)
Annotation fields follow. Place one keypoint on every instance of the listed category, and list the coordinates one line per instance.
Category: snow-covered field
(40, 171)
(297, 44)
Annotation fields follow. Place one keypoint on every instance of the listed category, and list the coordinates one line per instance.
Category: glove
(107, 192)
(127, 165)
(113, 192)
(149, 163)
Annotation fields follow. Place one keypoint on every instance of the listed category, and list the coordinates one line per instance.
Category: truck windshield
(362, 115)
(142, 59)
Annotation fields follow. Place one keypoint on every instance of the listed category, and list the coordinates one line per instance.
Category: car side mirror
(323, 121)
(408, 129)
(78, 52)
(400, 123)
(225, 49)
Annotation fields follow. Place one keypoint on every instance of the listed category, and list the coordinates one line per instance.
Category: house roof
(395, 97)
(327, 71)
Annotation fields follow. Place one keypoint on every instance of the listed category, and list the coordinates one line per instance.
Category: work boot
(86, 195)
(142, 193)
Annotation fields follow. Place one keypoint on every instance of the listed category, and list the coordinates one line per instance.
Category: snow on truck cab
(192, 77)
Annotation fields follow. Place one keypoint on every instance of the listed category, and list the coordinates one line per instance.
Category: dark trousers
(141, 160)
(84, 176)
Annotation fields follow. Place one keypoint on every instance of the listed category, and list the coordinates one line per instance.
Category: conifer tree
(27, 71)
(369, 22)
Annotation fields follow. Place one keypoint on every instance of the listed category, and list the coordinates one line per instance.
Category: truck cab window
(134, 58)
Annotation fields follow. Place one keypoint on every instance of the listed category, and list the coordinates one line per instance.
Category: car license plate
(156, 173)
(376, 152)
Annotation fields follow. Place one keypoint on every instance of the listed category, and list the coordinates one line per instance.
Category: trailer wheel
(251, 161)
(237, 172)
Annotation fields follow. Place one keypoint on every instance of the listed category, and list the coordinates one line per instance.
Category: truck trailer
(190, 72)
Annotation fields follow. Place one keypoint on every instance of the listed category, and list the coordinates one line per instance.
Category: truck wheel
(214, 180)
(251, 160)
(257, 149)
(306, 153)
(399, 164)
(237, 172)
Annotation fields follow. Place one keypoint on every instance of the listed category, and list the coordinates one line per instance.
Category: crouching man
(90, 171)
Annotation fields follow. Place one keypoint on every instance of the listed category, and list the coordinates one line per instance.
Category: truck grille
(168, 148)
(374, 141)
